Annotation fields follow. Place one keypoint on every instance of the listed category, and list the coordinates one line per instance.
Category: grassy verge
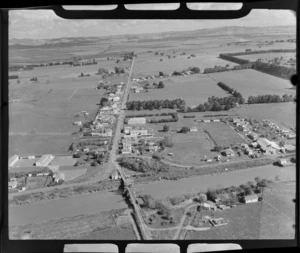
(65, 192)
(175, 173)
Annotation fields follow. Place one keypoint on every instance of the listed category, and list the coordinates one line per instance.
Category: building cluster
(106, 116)
(134, 137)
(260, 144)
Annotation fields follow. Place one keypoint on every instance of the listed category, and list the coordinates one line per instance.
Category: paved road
(117, 136)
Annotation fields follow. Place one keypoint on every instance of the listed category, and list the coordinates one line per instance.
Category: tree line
(156, 104)
(142, 165)
(268, 68)
(261, 99)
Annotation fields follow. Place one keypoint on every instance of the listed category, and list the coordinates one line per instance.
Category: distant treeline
(156, 104)
(215, 115)
(261, 99)
(272, 69)
(13, 77)
(174, 117)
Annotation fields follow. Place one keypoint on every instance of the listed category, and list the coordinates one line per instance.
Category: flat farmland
(238, 218)
(39, 144)
(222, 134)
(278, 213)
(52, 110)
(250, 82)
(283, 113)
(63, 161)
(193, 89)
(151, 65)
(99, 225)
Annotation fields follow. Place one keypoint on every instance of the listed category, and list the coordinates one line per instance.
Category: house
(59, 177)
(31, 157)
(13, 160)
(251, 198)
(254, 144)
(137, 121)
(85, 149)
(282, 162)
(127, 149)
(77, 123)
(115, 175)
(12, 184)
(193, 129)
(205, 206)
(127, 129)
(152, 148)
(44, 160)
(206, 120)
(218, 157)
(227, 152)
(216, 120)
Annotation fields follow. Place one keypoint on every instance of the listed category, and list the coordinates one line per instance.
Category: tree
(211, 195)
(161, 73)
(248, 191)
(165, 128)
(201, 198)
(118, 60)
(184, 130)
(160, 85)
(257, 180)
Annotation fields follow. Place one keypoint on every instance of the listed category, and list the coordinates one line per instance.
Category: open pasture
(222, 134)
(189, 148)
(39, 144)
(250, 82)
(278, 212)
(283, 113)
(63, 161)
(238, 218)
(194, 91)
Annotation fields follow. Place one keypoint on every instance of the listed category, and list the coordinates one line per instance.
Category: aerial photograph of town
(152, 129)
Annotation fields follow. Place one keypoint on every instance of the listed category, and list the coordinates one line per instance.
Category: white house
(251, 198)
(193, 129)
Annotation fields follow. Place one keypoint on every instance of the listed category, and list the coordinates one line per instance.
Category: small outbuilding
(251, 198)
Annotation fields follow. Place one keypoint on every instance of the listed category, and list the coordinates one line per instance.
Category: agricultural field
(100, 225)
(222, 134)
(238, 218)
(193, 89)
(282, 113)
(63, 161)
(278, 212)
(39, 144)
(250, 82)
(270, 57)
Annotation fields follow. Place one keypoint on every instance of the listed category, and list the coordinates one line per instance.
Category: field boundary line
(281, 213)
(69, 98)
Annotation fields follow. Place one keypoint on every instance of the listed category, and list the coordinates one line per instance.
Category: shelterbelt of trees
(272, 69)
(156, 104)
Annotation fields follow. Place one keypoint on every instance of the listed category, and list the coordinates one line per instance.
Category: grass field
(193, 89)
(63, 161)
(88, 226)
(278, 212)
(243, 223)
(222, 134)
(250, 82)
(39, 144)
(189, 148)
(283, 113)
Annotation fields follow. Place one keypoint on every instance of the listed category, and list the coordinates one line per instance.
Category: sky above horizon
(45, 24)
